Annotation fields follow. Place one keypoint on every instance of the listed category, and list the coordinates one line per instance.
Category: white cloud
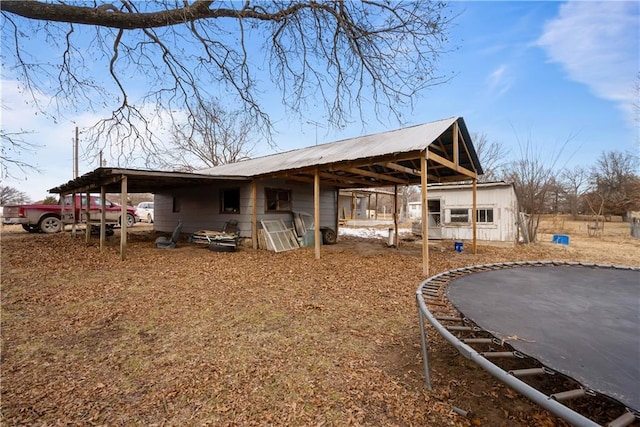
(499, 80)
(596, 43)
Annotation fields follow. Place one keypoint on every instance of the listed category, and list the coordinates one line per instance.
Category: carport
(435, 152)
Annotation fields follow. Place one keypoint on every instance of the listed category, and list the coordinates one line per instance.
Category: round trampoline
(579, 320)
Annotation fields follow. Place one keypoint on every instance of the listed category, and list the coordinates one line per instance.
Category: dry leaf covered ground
(195, 337)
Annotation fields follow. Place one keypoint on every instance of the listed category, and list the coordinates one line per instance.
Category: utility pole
(75, 155)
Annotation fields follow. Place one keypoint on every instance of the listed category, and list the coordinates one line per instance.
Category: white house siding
(200, 206)
(497, 196)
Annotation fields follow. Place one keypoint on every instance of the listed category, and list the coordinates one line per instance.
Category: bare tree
(12, 146)
(574, 181)
(12, 196)
(533, 177)
(210, 137)
(342, 57)
(615, 178)
(492, 156)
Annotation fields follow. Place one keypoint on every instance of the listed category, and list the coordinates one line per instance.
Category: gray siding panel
(200, 206)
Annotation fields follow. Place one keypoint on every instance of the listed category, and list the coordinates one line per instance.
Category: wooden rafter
(448, 163)
(345, 179)
(400, 168)
(378, 176)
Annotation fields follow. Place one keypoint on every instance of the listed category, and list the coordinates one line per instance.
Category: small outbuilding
(450, 213)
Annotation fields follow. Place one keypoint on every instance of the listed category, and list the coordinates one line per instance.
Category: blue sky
(542, 73)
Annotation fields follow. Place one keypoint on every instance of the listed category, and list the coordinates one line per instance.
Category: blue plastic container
(561, 239)
(458, 246)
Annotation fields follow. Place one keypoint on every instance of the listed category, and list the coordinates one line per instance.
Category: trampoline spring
(477, 340)
(527, 372)
(495, 354)
(519, 355)
(569, 394)
(623, 420)
(432, 302)
(459, 328)
(449, 319)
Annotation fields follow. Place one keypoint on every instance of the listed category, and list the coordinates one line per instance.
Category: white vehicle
(145, 211)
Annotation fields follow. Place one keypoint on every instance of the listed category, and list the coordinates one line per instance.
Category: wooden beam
(73, 212)
(475, 213)
(345, 179)
(375, 175)
(400, 168)
(465, 145)
(425, 214)
(103, 217)
(254, 214)
(395, 216)
(448, 163)
(456, 160)
(123, 218)
(87, 216)
(316, 213)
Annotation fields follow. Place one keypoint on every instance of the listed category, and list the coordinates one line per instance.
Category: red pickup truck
(51, 218)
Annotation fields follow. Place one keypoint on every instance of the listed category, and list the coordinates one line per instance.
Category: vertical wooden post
(425, 213)
(73, 212)
(254, 214)
(475, 215)
(354, 204)
(87, 216)
(376, 208)
(123, 218)
(395, 216)
(455, 144)
(316, 212)
(103, 217)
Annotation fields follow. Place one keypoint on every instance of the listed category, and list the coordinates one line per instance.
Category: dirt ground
(195, 337)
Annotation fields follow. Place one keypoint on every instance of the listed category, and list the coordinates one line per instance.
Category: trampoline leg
(425, 357)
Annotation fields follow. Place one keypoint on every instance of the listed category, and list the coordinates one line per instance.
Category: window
(230, 202)
(484, 215)
(277, 200)
(176, 205)
(460, 216)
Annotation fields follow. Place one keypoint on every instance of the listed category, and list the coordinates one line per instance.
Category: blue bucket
(458, 246)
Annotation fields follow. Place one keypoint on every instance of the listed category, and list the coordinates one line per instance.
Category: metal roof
(411, 139)
(379, 160)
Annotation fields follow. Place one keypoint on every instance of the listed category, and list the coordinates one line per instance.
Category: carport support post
(475, 213)
(73, 212)
(425, 213)
(254, 214)
(87, 217)
(123, 218)
(316, 211)
(103, 217)
(395, 216)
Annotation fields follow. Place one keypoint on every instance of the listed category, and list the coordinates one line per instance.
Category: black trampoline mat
(581, 321)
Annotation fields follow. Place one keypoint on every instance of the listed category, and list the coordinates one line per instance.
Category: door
(435, 219)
